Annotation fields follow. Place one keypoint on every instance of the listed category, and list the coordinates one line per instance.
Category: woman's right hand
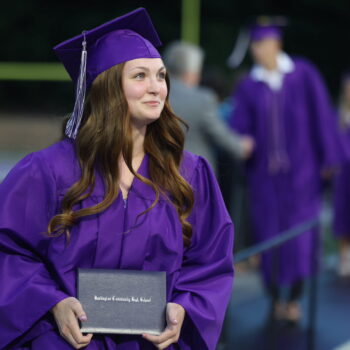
(66, 313)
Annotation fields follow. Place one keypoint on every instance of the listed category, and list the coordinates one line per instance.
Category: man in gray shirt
(198, 106)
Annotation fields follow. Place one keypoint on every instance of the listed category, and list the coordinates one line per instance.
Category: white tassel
(74, 121)
(240, 49)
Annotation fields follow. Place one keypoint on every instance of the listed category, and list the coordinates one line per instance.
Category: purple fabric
(123, 39)
(341, 192)
(38, 271)
(290, 196)
(259, 32)
(278, 157)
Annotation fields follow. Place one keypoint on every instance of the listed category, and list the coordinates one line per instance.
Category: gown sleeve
(241, 116)
(324, 118)
(205, 281)
(28, 290)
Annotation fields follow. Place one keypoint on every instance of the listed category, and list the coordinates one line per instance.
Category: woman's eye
(162, 75)
(140, 75)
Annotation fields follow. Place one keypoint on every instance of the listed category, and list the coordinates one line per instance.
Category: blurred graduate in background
(284, 105)
(342, 183)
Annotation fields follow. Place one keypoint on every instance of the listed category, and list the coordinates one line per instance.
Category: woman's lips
(152, 103)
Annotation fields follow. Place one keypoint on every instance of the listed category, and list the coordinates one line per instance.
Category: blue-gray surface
(247, 326)
(7, 160)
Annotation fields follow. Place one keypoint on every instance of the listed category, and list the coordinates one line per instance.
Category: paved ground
(22, 134)
(247, 326)
(28, 132)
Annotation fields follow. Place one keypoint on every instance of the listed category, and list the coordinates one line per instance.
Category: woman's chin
(145, 120)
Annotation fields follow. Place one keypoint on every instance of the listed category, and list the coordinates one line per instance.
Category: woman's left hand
(175, 315)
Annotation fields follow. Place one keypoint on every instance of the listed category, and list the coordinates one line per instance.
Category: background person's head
(265, 51)
(184, 61)
(266, 40)
(345, 88)
(344, 101)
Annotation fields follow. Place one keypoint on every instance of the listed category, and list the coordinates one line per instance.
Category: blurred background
(36, 93)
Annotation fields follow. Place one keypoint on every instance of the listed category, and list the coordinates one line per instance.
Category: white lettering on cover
(131, 299)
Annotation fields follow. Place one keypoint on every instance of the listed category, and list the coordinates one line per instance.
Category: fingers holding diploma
(175, 315)
(66, 313)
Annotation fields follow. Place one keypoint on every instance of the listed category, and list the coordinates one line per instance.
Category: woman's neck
(138, 139)
(125, 176)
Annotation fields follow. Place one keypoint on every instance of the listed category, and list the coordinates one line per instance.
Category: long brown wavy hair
(105, 133)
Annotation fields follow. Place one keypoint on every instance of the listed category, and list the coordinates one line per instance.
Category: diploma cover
(122, 301)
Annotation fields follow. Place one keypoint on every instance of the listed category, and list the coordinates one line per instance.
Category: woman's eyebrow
(146, 68)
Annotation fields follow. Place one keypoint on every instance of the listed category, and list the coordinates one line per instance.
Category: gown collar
(274, 78)
(137, 188)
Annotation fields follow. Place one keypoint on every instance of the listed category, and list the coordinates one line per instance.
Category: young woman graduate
(118, 192)
(284, 105)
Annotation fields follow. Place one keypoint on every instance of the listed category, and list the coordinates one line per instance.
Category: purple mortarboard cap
(94, 51)
(258, 33)
(123, 39)
(267, 27)
(261, 28)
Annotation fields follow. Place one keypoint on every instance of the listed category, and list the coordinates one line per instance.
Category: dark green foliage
(319, 30)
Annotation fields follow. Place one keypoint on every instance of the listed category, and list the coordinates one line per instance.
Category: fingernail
(174, 321)
(83, 318)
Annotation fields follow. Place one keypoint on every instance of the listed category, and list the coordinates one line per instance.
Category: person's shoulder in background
(207, 94)
(303, 64)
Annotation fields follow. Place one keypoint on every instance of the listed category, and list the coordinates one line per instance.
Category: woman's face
(145, 89)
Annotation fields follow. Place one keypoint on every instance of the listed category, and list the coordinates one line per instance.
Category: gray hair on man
(182, 57)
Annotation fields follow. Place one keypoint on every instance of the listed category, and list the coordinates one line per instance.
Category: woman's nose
(154, 86)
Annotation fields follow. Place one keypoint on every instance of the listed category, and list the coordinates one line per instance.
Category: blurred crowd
(277, 142)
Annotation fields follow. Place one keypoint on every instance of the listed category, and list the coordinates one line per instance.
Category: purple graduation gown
(38, 271)
(341, 191)
(295, 134)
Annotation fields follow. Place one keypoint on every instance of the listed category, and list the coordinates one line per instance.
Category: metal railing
(276, 241)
